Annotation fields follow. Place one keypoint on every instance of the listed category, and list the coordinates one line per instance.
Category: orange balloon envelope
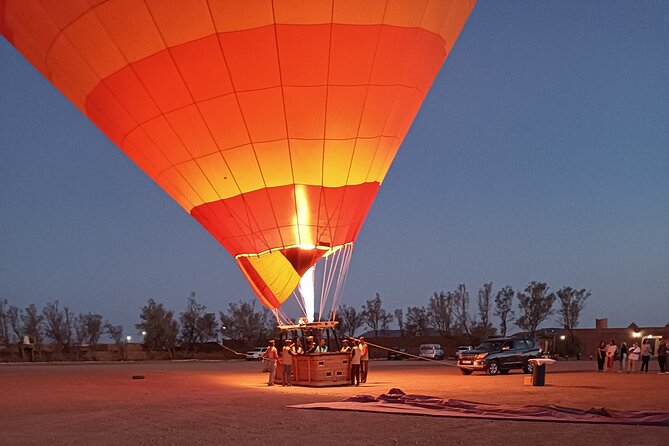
(272, 123)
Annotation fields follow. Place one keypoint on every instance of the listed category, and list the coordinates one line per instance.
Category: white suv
(462, 348)
(431, 351)
(256, 353)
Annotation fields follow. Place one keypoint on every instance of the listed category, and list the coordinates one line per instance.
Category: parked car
(499, 355)
(397, 353)
(256, 353)
(431, 351)
(462, 348)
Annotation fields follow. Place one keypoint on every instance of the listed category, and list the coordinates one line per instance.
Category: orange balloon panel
(272, 123)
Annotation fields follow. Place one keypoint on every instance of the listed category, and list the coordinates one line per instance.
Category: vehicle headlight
(481, 355)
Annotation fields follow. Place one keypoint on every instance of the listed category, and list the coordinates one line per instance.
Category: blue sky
(541, 153)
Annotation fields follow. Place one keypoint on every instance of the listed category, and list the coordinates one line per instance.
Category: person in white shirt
(611, 351)
(632, 356)
(287, 362)
(364, 360)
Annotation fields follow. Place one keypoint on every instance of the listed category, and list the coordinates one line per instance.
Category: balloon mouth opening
(303, 247)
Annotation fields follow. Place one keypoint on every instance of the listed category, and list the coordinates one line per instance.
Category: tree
(461, 309)
(14, 318)
(399, 317)
(535, 306)
(268, 324)
(349, 320)
(503, 307)
(208, 327)
(89, 327)
(417, 321)
(485, 294)
(58, 324)
(440, 312)
(5, 333)
(160, 327)
(32, 324)
(196, 325)
(243, 322)
(571, 305)
(79, 330)
(374, 316)
(116, 333)
(93, 327)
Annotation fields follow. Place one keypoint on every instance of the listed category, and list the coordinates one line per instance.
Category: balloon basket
(318, 370)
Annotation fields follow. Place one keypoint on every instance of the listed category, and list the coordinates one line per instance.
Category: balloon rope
(334, 271)
(298, 298)
(343, 272)
(326, 263)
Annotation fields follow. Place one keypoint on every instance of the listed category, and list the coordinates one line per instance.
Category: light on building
(128, 338)
(563, 337)
(636, 334)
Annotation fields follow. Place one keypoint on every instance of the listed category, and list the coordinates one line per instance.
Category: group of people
(359, 351)
(610, 353)
(356, 348)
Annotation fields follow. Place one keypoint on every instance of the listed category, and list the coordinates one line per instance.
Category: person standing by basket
(287, 362)
(364, 360)
(355, 363)
(271, 356)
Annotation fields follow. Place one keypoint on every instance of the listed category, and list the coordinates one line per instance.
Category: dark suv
(499, 355)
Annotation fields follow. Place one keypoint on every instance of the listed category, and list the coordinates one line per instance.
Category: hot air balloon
(271, 122)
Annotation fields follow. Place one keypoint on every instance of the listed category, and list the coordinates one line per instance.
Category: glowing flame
(306, 288)
(301, 221)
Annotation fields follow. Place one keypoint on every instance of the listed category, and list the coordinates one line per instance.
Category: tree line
(447, 314)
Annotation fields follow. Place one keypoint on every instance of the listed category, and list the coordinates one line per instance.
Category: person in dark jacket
(662, 355)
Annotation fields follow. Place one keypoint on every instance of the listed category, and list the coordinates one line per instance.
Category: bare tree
(93, 327)
(58, 324)
(399, 317)
(416, 321)
(503, 307)
(5, 333)
(440, 312)
(349, 320)
(116, 333)
(535, 306)
(14, 318)
(461, 309)
(374, 316)
(160, 327)
(32, 324)
(79, 330)
(484, 302)
(571, 305)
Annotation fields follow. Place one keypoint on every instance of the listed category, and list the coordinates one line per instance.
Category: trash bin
(538, 374)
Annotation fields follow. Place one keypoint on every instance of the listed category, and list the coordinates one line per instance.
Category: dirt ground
(229, 402)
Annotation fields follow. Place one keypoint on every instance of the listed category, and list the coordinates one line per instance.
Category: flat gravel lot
(229, 402)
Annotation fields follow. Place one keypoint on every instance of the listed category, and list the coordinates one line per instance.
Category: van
(431, 351)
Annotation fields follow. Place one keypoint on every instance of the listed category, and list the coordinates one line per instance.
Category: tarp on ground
(396, 401)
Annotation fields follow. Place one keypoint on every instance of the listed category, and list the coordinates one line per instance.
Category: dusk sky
(541, 153)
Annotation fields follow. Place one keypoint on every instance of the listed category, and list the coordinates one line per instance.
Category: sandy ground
(229, 402)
